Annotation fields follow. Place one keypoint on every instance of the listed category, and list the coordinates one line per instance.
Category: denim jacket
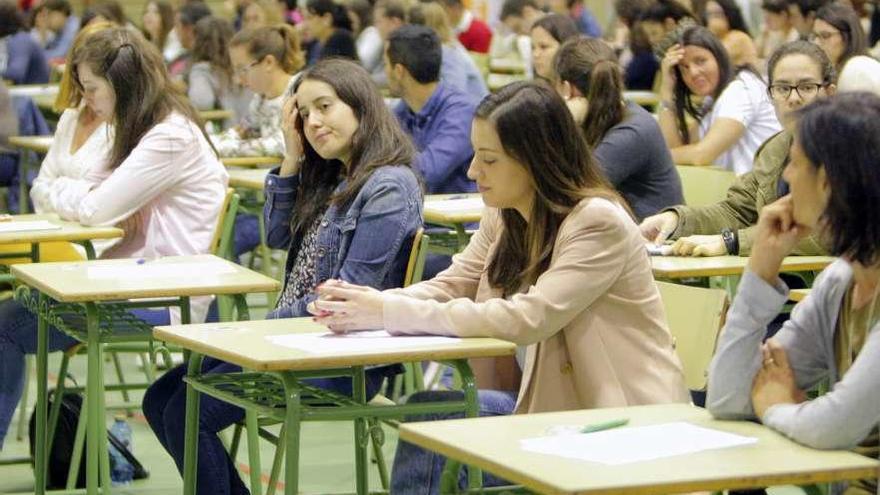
(365, 242)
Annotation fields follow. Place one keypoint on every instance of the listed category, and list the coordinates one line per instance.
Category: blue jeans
(18, 337)
(417, 470)
(247, 234)
(165, 409)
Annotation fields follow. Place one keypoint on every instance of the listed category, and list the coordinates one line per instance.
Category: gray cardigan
(839, 419)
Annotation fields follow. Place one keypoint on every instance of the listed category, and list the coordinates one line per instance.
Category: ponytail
(280, 41)
(590, 66)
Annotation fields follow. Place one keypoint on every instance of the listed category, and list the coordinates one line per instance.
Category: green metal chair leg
(76, 457)
(25, 397)
(42, 398)
(277, 461)
(361, 461)
(98, 460)
(291, 444)
(120, 376)
(191, 443)
(236, 441)
(378, 439)
(253, 440)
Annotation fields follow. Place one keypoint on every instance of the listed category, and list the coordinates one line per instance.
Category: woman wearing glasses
(799, 72)
(839, 33)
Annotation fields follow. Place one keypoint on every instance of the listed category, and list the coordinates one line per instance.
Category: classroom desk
(69, 232)
(506, 66)
(493, 444)
(248, 178)
(496, 81)
(648, 98)
(798, 295)
(251, 161)
(676, 267)
(275, 391)
(97, 296)
(34, 90)
(220, 115)
(28, 144)
(453, 211)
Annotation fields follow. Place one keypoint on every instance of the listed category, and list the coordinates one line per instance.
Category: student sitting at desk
(711, 112)
(547, 34)
(345, 204)
(799, 73)
(21, 58)
(557, 266)
(625, 139)
(833, 334)
(161, 183)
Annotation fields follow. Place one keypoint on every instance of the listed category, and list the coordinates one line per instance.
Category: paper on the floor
(152, 269)
(27, 226)
(457, 205)
(635, 444)
(331, 343)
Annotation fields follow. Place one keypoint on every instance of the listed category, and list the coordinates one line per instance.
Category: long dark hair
(590, 66)
(144, 93)
(377, 141)
(684, 105)
(732, 12)
(166, 16)
(845, 20)
(212, 36)
(537, 130)
(842, 134)
(337, 11)
(560, 27)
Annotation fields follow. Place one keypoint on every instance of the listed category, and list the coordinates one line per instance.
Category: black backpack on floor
(62, 445)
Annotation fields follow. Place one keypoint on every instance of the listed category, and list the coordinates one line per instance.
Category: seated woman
(345, 204)
(548, 33)
(710, 112)
(329, 26)
(799, 73)
(777, 28)
(22, 60)
(839, 32)
(557, 266)
(833, 334)
(161, 182)
(724, 18)
(625, 139)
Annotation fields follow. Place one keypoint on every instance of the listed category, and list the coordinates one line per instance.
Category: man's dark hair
(417, 48)
(394, 9)
(808, 7)
(516, 7)
(62, 6)
(11, 20)
(193, 12)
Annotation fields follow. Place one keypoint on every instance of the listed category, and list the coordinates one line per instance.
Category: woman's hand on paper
(345, 307)
(774, 384)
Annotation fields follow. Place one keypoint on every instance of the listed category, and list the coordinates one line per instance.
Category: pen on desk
(458, 196)
(607, 425)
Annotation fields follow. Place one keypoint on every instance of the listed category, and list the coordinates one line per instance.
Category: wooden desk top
(69, 231)
(452, 208)
(107, 280)
(40, 144)
(244, 343)
(496, 81)
(215, 114)
(642, 97)
(33, 90)
(493, 444)
(251, 161)
(248, 178)
(507, 66)
(686, 266)
(798, 295)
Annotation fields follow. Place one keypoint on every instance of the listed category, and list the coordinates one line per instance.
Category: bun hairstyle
(280, 41)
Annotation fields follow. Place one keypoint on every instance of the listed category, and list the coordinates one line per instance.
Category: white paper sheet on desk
(151, 269)
(331, 343)
(28, 226)
(635, 444)
(457, 205)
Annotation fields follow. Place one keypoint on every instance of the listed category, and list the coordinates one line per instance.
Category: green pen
(607, 425)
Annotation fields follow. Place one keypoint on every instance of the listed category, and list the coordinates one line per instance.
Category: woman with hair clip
(839, 33)
(625, 139)
(832, 336)
(328, 24)
(159, 180)
(210, 82)
(799, 72)
(712, 113)
(557, 266)
(547, 34)
(157, 24)
(345, 204)
(724, 18)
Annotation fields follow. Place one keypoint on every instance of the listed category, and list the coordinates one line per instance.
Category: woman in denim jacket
(345, 204)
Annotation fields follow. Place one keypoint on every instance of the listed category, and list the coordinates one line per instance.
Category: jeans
(165, 409)
(247, 234)
(416, 470)
(18, 337)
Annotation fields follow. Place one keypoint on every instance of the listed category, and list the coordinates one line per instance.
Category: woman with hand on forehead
(557, 266)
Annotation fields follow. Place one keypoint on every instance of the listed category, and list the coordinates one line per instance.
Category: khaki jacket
(745, 199)
(593, 321)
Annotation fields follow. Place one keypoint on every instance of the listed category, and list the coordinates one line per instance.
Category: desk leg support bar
(42, 399)
(291, 441)
(97, 460)
(191, 445)
(361, 438)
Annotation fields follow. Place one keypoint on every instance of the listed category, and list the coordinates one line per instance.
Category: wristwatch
(731, 240)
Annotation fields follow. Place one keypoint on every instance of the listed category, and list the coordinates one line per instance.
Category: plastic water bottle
(121, 471)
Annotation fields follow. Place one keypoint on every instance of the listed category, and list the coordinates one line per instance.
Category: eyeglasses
(241, 71)
(822, 37)
(805, 90)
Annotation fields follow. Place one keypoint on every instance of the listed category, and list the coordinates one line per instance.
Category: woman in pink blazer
(558, 267)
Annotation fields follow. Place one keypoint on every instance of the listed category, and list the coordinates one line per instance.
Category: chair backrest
(223, 231)
(696, 316)
(417, 255)
(704, 185)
